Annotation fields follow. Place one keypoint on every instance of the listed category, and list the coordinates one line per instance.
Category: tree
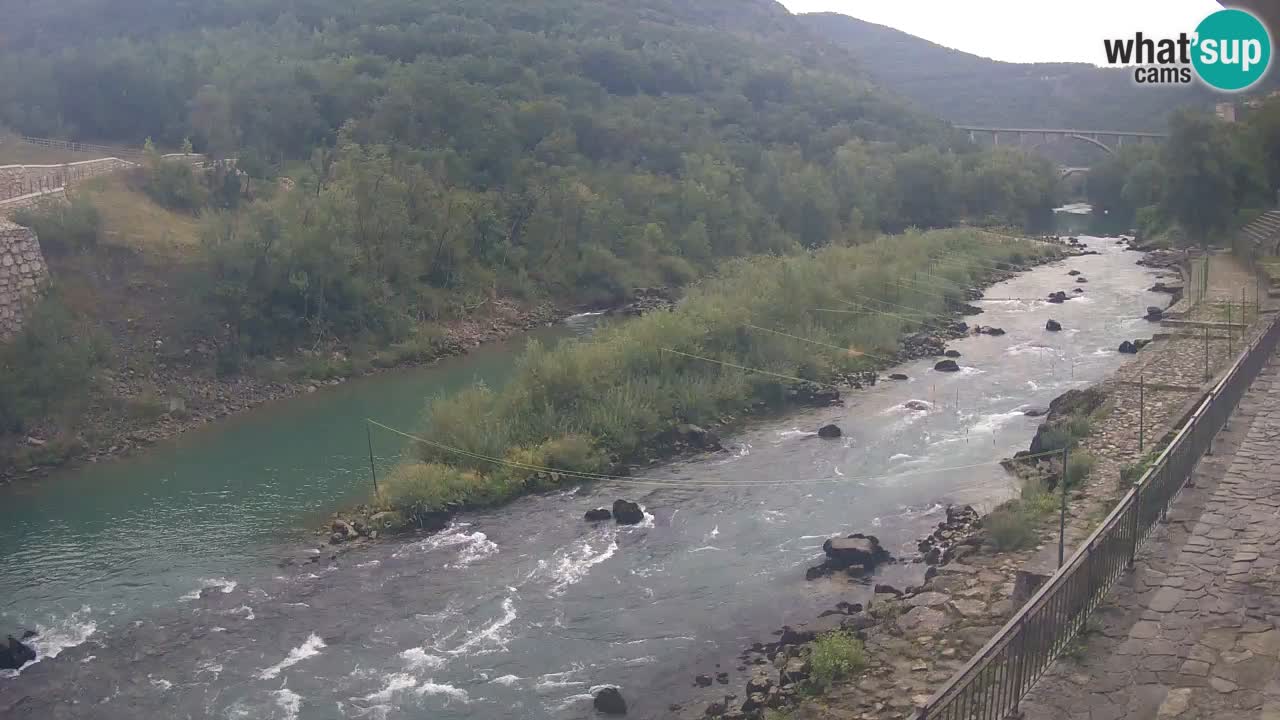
(1200, 188)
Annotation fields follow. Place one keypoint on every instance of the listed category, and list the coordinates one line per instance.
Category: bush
(63, 227)
(835, 655)
(1079, 465)
(48, 365)
(173, 184)
(1011, 528)
(1037, 500)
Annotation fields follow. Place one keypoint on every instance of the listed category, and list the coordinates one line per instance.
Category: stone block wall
(23, 275)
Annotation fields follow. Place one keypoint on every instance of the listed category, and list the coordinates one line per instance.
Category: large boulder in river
(1128, 348)
(597, 515)
(856, 549)
(952, 353)
(1053, 326)
(627, 512)
(14, 654)
(1058, 297)
(1154, 314)
(829, 431)
(947, 366)
(609, 701)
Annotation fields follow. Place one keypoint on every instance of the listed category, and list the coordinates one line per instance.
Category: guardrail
(992, 684)
(81, 147)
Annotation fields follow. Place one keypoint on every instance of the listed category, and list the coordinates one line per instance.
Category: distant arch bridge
(1098, 138)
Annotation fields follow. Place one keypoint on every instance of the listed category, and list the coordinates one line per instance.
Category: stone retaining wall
(22, 275)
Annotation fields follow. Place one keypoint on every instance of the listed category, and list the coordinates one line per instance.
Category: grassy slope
(590, 404)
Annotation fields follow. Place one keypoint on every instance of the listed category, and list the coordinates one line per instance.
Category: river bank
(199, 396)
(918, 636)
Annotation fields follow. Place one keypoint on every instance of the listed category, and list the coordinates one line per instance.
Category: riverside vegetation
(404, 165)
(590, 405)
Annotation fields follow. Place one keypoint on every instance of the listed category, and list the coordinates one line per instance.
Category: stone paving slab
(1194, 631)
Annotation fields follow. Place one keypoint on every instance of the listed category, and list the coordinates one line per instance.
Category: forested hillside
(968, 89)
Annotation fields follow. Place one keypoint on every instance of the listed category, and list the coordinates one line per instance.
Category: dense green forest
(446, 151)
(973, 90)
(1198, 187)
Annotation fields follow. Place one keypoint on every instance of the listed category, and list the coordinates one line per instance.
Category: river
(520, 611)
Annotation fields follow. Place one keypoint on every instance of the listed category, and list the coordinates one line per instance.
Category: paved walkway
(1194, 631)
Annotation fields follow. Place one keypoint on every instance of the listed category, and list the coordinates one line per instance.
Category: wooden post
(373, 471)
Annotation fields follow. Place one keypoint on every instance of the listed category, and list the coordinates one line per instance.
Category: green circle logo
(1233, 50)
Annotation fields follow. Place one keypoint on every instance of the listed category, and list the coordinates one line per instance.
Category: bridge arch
(1092, 141)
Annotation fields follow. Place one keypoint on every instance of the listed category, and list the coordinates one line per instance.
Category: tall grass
(621, 391)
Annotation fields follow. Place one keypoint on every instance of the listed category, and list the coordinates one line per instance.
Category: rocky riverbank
(199, 396)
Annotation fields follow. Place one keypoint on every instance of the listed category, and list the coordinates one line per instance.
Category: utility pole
(1062, 513)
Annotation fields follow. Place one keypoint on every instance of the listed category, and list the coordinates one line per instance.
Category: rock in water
(952, 353)
(1035, 412)
(917, 405)
(1082, 280)
(1053, 326)
(598, 514)
(898, 376)
(609, 701)
(947, 366)
(1078, 290)
(627, 512)
(1154, 314)
(857, 549)
(1139, 344)
(1128, 348)
(14, 654)
(1074, 272)
(1058, 297)
(829, 431)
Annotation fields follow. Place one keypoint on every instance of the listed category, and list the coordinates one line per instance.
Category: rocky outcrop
(645, 300)
(609, 701)
(1154, 314)
(1128, 348)
(597, 515)
(699, 437)
(14, 654)
(627, 512)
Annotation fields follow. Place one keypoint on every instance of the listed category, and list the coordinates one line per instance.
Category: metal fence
(992, 684)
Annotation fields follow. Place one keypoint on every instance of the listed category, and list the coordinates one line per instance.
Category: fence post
(1206, 353)
(1062, 513)
(1142, 412)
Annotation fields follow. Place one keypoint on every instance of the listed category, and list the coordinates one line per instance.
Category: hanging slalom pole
(373, 471)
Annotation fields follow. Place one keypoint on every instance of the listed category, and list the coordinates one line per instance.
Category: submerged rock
(627, 512)
(917, 405)
(597, 515)
(14, 654)
(898, 376)
(1053, 325)
(947, 366)
(1082, 279)
(1073, 272)
(609, 701)
(829, 431)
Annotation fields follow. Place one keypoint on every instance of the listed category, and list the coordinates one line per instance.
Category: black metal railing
(992, 684)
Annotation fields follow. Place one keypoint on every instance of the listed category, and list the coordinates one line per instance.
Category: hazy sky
(1024, 30)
